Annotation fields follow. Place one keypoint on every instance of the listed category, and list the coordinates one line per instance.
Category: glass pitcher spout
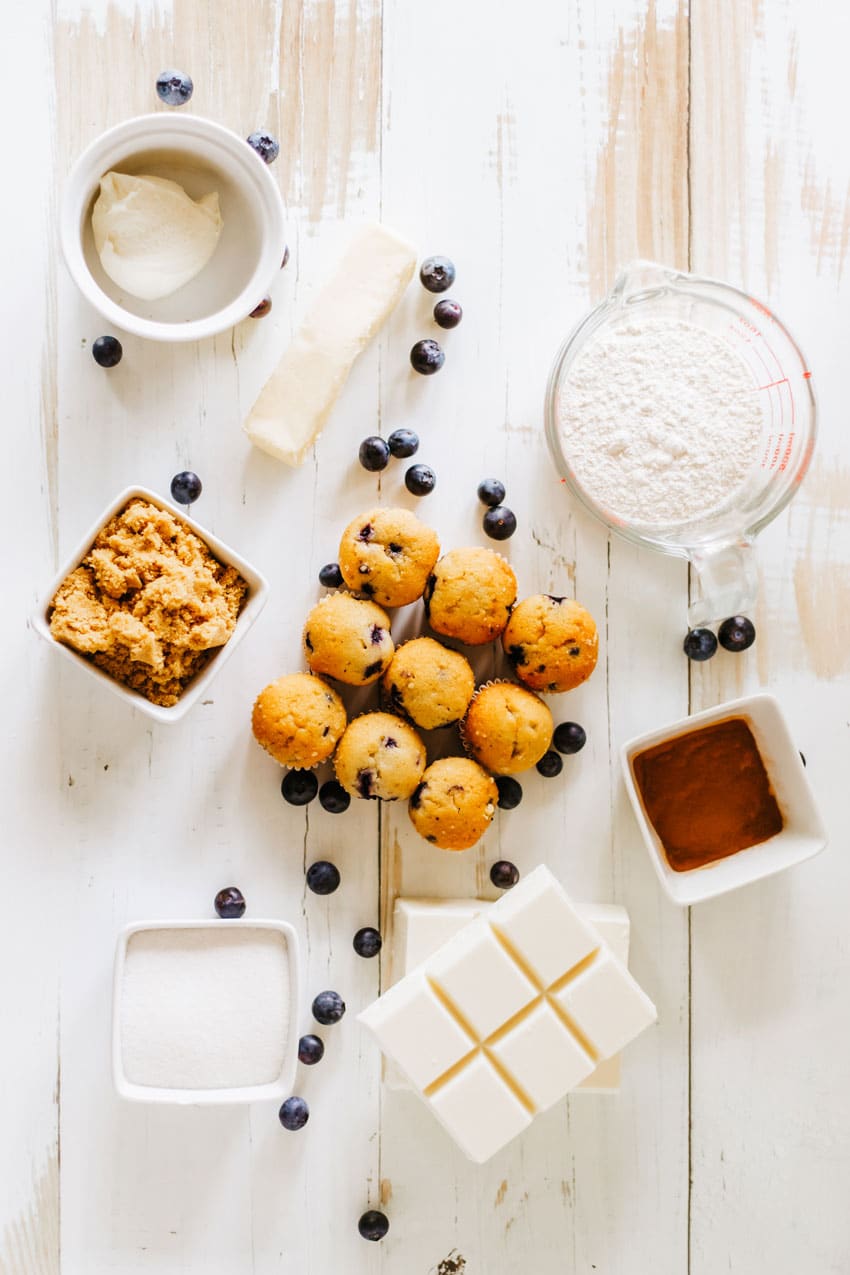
(725, 583)
(640, 279)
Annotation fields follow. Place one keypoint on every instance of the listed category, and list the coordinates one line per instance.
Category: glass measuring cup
(718, 544)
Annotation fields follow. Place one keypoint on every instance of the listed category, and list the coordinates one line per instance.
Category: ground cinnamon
(707, 793)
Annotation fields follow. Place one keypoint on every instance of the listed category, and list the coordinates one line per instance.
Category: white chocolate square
(542, 1055)
(544, 927)
(479, 1110)
(607, 1004)
(483, 983)
(420, 926)
(416, 1030)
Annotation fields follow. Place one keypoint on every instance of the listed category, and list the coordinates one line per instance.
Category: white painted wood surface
(540, 146)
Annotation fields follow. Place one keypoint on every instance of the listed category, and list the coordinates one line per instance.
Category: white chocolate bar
(507, 1016)
(348, 312)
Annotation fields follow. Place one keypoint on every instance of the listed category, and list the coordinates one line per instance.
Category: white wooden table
(541, 146)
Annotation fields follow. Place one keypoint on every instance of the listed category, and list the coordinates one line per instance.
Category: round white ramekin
(203, 156)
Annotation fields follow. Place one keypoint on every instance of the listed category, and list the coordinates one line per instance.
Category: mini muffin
(348, 639)
(298, 720)
(551, 642)
(387, 555)
(379, 756)
(507, 728)
(470, 594)
(428, 683)
(455, 803)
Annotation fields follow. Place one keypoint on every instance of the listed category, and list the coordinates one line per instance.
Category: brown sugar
(707, 793)
(149, 603)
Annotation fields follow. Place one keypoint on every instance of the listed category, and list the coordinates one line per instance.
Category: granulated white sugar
(660, 421)
(204, 1008)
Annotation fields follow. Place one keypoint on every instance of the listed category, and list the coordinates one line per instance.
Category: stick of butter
(353, 305)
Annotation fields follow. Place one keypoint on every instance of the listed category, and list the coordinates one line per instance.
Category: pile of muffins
(388, 558)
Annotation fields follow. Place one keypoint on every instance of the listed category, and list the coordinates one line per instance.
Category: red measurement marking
(784, 381)
(806, 375)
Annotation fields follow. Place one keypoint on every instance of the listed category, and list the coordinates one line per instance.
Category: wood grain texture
(542, 151)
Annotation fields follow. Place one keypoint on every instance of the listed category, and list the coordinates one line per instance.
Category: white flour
(660, 421)
(204, 1008)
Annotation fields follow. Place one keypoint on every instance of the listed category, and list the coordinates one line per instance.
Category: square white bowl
(277, 1089)
(258, 589)
(803, 833)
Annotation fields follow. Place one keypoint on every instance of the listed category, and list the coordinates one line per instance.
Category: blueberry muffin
(470, 594)
(454, 804)
(298, 720)
(380, 756)
(507, 728)
(387, 555)
(348, 639)
(551, 643)
(428, 683)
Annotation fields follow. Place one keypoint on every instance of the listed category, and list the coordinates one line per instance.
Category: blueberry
(174, 88)
(499, 523)
(373, 1225)
(420, 480)
(374, 453)
(504, 874)
(550, 765)
(699, 644)
(510, 792)
(427, 357)
(107, 351)
(311, 1050)
(186, 487)
(328, 1007)
(299, 787)
(230, 902)
(737, 633)
(403, 443)
(285, 261)
(323, 877)
(294, 1114)
(367, 942)
(447, 314)
(330, 575)
(491, 492)
(569, 737)
(334, 798)
(266, 146)
(260, 311)
(437, 274)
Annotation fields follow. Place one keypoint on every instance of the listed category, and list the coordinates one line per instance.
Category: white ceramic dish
(278, 1089)
(202, 156)
(802, 836)
(258, 590)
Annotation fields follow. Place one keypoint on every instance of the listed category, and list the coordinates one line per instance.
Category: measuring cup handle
(725, 583)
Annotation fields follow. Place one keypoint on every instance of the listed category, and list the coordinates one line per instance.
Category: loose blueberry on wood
(323, 877)
(367, 942)
(186, 487)
(437, 274)
(447, 314)
(230, 903)
(420, 480)
(373, 1225)
(334, 798)
(260, 311)
(299, 787)
(491, 492)
(550, 765)
(403, 443)
(294, 1114)
(504, 874)
(737, 633)
(107, 351)
(510, 792)
(499, 523)
(427, 357)
(311, 1050)
(266, 146)
(374, 453)
(174, 87)
(328, 1008)
(699, 644)
(330, 575)
(569, 737)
